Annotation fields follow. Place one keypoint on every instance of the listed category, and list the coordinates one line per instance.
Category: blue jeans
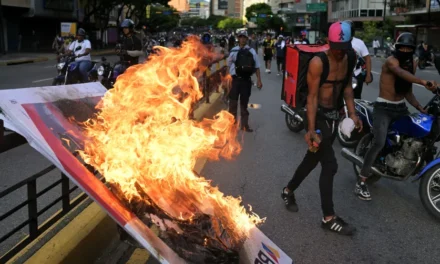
(84, 67)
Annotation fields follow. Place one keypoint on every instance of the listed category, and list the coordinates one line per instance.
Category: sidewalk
(29, 57)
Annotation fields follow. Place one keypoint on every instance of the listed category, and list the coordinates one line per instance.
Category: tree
(193, 22)
(213, 20)
(162, 18)
(261, 14)
(230, 23)
(371, 31)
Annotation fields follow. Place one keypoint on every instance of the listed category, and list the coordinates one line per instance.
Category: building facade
(235, 8)
(198, 8)
(356, 10)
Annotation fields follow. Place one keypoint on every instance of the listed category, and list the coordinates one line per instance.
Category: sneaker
(339, 226)
(247, 129)
(362, 191)
(278, 74)
(289, 199)
(267, 70)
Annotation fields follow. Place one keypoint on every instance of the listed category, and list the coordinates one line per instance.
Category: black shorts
(268, 57)
(280, 60)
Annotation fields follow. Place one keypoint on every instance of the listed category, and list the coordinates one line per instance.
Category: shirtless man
(396, 82)
(324, 100)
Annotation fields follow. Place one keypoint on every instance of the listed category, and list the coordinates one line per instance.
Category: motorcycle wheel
(293, 124)
(360, 150)
(431, 182)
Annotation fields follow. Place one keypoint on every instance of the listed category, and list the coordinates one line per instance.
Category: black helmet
(81, 32)
(127, 23)
(405, 39)
(206, 38)
(351, 26)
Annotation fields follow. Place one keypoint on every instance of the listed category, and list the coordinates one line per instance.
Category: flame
(142, 134)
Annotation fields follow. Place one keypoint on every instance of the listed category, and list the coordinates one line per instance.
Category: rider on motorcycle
(362, 70)
(396, 82)
(81, 48)
(131, 45)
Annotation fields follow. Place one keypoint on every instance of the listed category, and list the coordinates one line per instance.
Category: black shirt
(131, 43)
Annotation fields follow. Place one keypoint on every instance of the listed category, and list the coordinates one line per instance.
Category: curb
(23, 61)
(85, 238)
(41, 59)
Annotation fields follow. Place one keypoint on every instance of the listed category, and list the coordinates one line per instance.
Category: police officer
(132, 46)
(238, 64)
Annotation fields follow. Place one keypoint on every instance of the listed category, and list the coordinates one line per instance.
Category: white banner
(43, 115)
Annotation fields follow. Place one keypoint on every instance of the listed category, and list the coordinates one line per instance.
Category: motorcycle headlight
(60, 65)
(354, 82)
(100, 70)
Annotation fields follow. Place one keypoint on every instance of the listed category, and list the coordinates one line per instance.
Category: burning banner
(140, 138)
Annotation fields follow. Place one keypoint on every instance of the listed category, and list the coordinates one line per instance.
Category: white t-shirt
(361, 51)
(79, 48)
(360, 47)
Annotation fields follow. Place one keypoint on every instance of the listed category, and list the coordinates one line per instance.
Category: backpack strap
(351, 62)
(325, 67)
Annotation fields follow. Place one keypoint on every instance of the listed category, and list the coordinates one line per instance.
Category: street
(392, 228)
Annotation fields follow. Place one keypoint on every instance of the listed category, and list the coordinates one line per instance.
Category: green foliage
(271, 21)
(374, 30)
(230, 23)
(256, 9)
(161, 22)
(213, 20)
(194, 22)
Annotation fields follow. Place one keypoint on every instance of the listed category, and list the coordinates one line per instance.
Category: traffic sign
(262, 15)
(316, 7)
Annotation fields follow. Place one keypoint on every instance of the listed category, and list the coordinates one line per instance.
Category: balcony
(17, 3)
(357, 15)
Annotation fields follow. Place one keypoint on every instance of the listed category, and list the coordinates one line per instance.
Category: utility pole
(2, 32)
(429, 12)
(383, 21)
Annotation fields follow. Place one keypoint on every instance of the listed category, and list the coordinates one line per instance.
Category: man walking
(323, 104)
(253, 42)
(376, 46)
(280, 47)
(268, 46)
(242, 63)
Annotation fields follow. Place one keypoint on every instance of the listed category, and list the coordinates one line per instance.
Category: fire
(143, 135)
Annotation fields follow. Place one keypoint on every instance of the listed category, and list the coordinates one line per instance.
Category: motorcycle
(425, 60)
(110, 73)
(408, 152)
(68, 71)
(294, 118)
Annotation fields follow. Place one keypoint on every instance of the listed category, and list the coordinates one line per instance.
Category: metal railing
(209, 80)
(15, 140)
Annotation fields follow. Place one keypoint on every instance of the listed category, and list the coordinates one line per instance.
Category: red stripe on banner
(86, 180)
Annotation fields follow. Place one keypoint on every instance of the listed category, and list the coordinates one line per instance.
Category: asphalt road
(392, 228)
(22, 162)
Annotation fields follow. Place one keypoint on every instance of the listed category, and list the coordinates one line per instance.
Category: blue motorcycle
(68, 72)
(409, 151)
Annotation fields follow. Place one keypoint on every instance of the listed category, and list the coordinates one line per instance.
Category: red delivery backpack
(294, 91)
